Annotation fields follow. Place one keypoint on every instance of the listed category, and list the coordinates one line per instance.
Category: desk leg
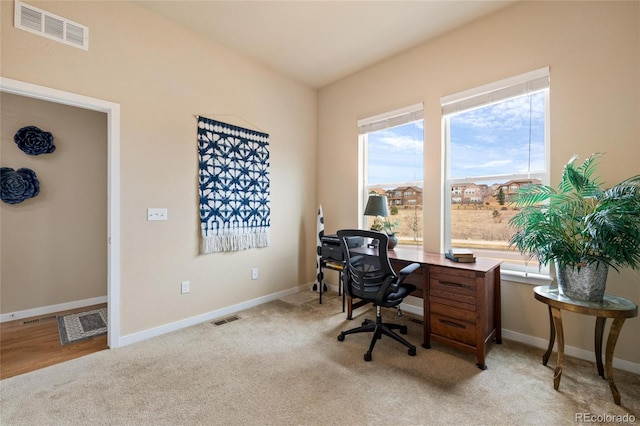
(349, 308)
(611, 345)
(552, 339)
(597, 343)
(340, 286)
(497, 306)
(426, 314)
(557, 321)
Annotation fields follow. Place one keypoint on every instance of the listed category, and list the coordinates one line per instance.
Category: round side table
(614, 307)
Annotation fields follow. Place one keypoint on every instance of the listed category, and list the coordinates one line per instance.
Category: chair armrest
(408, 269)
(404, 273)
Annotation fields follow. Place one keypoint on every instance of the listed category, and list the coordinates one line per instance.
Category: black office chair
(371, 278)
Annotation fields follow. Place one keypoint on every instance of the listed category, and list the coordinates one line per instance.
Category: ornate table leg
(611, 345)
(552, 339)
(597, 343)
(557, 321)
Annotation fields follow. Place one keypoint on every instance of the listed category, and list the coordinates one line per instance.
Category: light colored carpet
(281, 364)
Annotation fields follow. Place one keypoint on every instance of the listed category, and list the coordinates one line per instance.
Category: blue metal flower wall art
(34, 141)
(18, 185)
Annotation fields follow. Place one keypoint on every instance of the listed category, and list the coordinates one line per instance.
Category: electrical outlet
(184, 287)
(254, 274)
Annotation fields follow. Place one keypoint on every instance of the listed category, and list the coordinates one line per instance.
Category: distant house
(379, 191)
(472, 193)
(511, 187)
(405, 196)
(465, 193)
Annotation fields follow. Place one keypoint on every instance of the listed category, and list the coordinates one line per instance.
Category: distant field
(476, 227)
(481, 224)
(470, 223)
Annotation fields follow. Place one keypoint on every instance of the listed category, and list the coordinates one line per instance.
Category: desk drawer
(454, 309)
(454, 329)
(460, 285)
(446, 296)
(451, 312)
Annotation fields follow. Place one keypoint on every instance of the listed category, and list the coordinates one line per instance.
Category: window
(392, 155)
(495, 141)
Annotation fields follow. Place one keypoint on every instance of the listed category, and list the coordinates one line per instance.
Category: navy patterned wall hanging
(234, 187)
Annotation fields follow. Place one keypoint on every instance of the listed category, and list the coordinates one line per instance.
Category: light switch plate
(157, 214)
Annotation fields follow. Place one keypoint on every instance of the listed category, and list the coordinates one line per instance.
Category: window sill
(525, 278)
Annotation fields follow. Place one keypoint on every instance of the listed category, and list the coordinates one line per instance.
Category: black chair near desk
(371, 278)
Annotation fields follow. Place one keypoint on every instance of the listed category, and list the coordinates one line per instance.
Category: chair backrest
(368, 274)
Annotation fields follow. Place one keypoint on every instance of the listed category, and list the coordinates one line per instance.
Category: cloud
(506, 115)
(396, 154)
(487, 165)
(401, 143)
(492, 140)
(503, 138)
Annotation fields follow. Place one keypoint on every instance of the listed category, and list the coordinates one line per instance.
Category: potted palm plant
(581, 227)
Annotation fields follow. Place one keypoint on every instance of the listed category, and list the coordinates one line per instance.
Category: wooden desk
(614, 307)
(461, 301)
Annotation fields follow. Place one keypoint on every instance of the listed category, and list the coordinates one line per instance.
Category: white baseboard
(413, 308)
(44, 310)
(209, 316)
(537, 342)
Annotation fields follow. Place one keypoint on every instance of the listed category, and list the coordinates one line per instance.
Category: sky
(395, 155)
(493, 140)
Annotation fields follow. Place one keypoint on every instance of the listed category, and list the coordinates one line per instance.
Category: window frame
(501, 91)
(387, 120)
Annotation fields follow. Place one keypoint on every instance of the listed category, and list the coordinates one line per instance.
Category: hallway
(32, 343)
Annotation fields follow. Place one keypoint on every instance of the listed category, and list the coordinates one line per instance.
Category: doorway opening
(112, 111)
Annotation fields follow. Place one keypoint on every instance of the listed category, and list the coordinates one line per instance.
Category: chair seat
(402, 292)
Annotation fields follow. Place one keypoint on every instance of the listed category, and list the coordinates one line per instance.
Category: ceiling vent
(51, 26)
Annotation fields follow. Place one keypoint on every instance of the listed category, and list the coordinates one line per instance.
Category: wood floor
(33, 343)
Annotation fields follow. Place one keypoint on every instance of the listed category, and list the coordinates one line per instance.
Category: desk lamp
(376, 206)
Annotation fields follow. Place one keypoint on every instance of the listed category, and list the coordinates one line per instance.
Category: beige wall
(54, 246)
(162, 75)
(593, 51)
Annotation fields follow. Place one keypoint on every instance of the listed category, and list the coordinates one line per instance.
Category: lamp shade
(376, 206)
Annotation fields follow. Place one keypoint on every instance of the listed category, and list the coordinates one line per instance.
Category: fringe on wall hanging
(234, 187)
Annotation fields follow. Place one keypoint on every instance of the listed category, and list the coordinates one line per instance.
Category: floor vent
(226, 320)
(417, 321)
(54, 27)
(36, 320)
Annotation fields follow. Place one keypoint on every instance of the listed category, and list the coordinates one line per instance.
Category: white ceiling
(318, 42)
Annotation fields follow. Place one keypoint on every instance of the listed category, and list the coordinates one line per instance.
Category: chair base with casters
(379, 329)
